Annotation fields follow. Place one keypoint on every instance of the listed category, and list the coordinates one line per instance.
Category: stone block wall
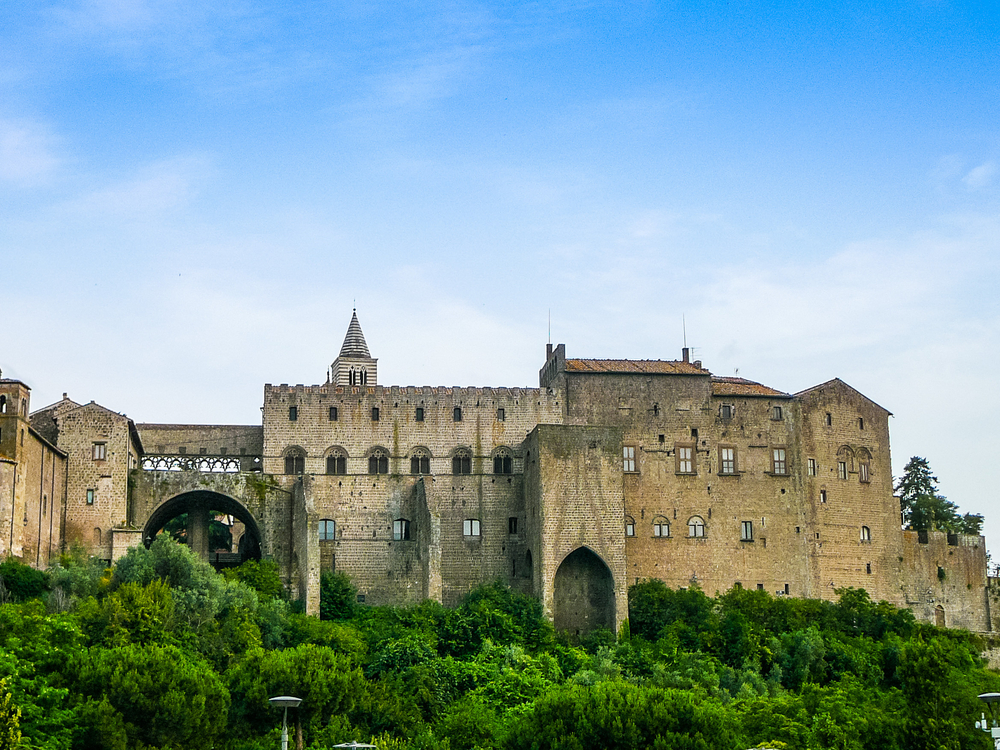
(945, 579)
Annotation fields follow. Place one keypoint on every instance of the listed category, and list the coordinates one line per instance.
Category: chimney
(686, 353)
(548, 352)
(65, 397)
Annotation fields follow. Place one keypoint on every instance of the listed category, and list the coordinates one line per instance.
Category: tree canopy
(926, 509)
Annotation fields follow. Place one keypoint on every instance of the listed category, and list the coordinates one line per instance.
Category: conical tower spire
(354, 341)
(355, 365)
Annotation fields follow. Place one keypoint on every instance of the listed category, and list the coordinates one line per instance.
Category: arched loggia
(584, 593)
(200, 506)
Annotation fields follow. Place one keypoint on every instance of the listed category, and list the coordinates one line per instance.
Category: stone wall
(945, 579)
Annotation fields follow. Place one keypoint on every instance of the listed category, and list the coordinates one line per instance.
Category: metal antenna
(684, 329)
(550, 325)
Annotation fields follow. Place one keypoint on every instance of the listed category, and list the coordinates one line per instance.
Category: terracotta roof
(354, 346)
(645, 366)
(741, 387)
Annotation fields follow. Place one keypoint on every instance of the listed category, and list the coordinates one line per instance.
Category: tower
(355, 364)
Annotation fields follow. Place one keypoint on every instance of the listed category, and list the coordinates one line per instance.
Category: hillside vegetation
(162, 652)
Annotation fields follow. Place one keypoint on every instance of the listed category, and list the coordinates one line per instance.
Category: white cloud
(25, 152)
(981, 176)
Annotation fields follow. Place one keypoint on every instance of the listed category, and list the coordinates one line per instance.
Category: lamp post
(992, 724)
(286, 702)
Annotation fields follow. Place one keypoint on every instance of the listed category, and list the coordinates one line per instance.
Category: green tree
(10, 720)
(926, 509)
(337, 596)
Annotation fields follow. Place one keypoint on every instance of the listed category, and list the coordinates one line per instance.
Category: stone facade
(608, 473)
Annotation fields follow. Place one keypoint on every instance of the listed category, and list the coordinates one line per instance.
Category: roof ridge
(355, 346)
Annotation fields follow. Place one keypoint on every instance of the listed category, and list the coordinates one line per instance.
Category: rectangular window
(512, 525)
(822, 496)
(811, 464)
(861, 423)
(327, 530)
(630, 527)
(295, 464)
(863, 475)
(727, 460)
(628, 459)
(457, 414)
(501, 415)
(726, 411)
(746, 531)
(333, 414)
(293, 413)
(829, 419)
(420, 414)
(776, 413)
(780, 465)
(685, 459)
(868, 568)
(786, 589)
(842, 470)
(100, 451)
(470, 527)
(90, 497)
(400, 530)
(374, 414)
(760, 586)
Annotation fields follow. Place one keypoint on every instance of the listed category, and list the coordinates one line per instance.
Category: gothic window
(420, 462)
(727, 460)
(696, 527)
(628, 459)
(779, 463)
(503, 463)
(336, 462)
(327, 530)
(661, 527)
(295, 461)
(470, 527)
(401, 530)
(378, 462)
(685, 459)
(461, 462)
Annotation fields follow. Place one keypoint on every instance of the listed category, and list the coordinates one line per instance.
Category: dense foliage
(162, 652)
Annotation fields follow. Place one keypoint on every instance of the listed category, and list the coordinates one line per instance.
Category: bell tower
(15, 399)
(355, 366)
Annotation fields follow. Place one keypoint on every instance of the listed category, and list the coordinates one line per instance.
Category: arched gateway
(584, 593)
(203, 510)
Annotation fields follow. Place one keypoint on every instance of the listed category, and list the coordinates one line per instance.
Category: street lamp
(286, 702)
(992, 724)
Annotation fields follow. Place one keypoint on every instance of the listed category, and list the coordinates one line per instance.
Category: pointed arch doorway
(584, 593)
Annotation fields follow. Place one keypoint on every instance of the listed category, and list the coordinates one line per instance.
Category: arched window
(939, 618)
(378, 462)
(696, 527)
(528, 568)
(420, 461)
(866, 534)
(503, 462)
(295, 461)
(3, 404)
(629, 526)
(401, 530)
(661, 527)
(327, 530)
(97, 536)
(336, 462)
(461, 462)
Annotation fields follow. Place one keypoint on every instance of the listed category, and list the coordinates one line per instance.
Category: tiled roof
(354, 346)
(646, 366)
(741, 387)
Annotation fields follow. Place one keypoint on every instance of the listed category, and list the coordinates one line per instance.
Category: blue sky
(194, 194)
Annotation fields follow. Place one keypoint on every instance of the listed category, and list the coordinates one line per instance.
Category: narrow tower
(355, 365)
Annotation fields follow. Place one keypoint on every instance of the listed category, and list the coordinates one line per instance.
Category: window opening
(420, 463)
(374, 414)
(776, 413)
(868, 568)
(503, 463)
(696, 527)
(295, 464)
(629, 526)
(864, 472)
(861, 423)
(746, 531)
(419, 414)
(866, 534)
(500, 415)
(727, 460)
(293, 413)
(512, 525)
(780, 464)
(336, 463)
(829, 419)
(378, 462)
(333, 413)
(628, 459)
(457, 414)
(726, 411)
(822, 496)
(327, 530)
(811, 464)
(661, 527)
(841, 470)
(90, 497)
(470, 527)
(401, 530)
(100, 451)
(461, 463)
(685, 459)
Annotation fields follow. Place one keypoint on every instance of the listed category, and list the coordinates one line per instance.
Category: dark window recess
(502, 464)
(336, 464)
(760, 586)
(295, 464)
(420, 464)
(868, 568)
(829, 419)
(457, 414)
(420, 414)
(922, 537)
(378, 463)
(461, 464)
(786, 589)
(726, 411)
(333, 413)
(374, 414)
(694, 433)
(401, 530)
(500, 415)
(293, 413)
(512, 525)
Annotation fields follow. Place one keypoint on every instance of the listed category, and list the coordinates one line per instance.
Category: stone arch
(199, 504)
(295, 459)
(846, 454)
(584, 593)
(335, 460)
(939, 616)
(503, 460)
(420, 460)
